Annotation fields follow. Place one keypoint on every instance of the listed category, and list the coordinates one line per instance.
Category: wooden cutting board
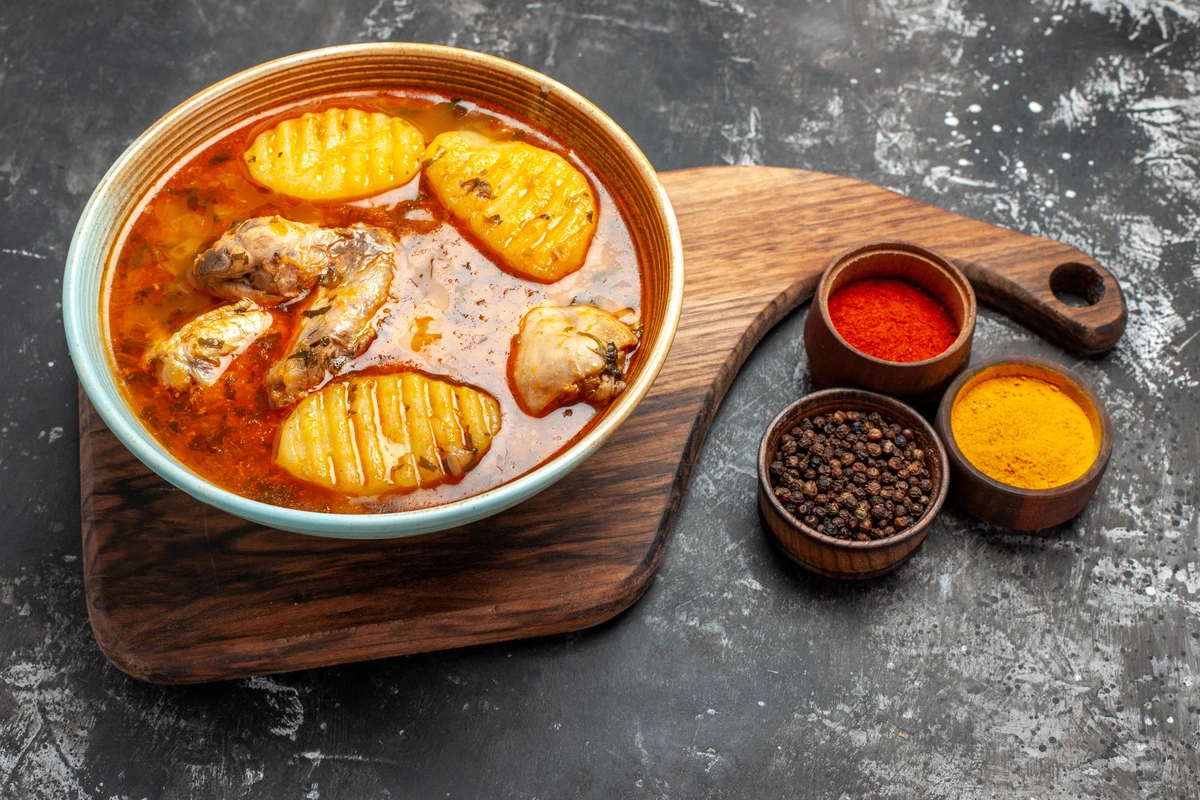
(179, 592)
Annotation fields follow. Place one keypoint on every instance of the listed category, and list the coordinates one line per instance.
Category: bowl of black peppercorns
(849, 482)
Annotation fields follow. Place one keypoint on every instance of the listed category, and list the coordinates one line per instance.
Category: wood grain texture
(178, 592)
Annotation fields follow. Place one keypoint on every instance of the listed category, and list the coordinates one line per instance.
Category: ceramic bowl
(528, 94)
(1010, 506)
(828, 555)
(832, 361)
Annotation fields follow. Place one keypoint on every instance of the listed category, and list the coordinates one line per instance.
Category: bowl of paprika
(891, 317)
(1028, 441)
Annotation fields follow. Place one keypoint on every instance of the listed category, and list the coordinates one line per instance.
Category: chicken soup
(373, 303)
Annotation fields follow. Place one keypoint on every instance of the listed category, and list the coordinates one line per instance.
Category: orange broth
(451, 314)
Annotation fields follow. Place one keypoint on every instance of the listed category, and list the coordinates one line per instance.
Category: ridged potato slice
(336, 154)
(530, 206)
(385, 433)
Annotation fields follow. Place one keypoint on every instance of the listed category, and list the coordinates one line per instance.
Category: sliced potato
(336, 154)
(530, 206)
(385, 433)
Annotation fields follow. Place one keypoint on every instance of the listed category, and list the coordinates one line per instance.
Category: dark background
(994, 664)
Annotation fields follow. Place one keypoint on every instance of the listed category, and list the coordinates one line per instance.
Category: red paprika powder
(892, 319)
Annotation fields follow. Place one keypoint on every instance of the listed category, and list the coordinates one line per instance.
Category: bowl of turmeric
(1028, 441)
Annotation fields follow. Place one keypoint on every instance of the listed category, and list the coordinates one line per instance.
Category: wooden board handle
(1026, 284)
(780, 228)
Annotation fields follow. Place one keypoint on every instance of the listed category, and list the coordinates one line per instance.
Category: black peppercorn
(851, 475)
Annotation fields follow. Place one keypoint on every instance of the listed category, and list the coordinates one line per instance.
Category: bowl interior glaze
(266, 88)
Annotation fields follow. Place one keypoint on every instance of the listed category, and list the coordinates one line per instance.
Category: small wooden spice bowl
(832, 361)
(1011, 506)
(827, 555)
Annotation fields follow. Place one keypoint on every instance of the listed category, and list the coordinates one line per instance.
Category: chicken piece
(368, 435)
(565, 354)
(203, 349)
(271, 260)
(336, 154)
(338, 324)
(528, 205)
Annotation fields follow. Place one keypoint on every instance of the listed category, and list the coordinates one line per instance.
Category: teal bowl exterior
(133, 174)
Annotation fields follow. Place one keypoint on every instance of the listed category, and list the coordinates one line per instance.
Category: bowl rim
(1103, 454)
(965, 335)
(97, 378)
(851, 396)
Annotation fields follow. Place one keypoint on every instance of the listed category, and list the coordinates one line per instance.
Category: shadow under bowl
(828, 555)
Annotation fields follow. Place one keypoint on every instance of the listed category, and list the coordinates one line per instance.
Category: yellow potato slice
(530, 206)
(387, 433)
(337, 154)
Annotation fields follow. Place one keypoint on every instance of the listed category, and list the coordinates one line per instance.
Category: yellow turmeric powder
(1023, 431)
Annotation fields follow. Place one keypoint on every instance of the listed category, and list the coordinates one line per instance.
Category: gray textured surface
(994, 664)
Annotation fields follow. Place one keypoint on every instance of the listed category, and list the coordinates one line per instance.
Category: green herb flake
(305, 356)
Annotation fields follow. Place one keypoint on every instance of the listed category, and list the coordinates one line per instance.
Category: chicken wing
(564, 354)
(271, 260)
(338, 324)
(202, 350)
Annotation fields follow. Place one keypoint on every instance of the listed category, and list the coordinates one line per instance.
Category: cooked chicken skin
(339, 322)
(565, 354)
(271, 260)
(202, 350)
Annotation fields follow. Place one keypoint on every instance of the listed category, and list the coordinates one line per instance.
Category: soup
(452, 310)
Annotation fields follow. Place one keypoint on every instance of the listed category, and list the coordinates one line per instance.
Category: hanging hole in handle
(1077, 285)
